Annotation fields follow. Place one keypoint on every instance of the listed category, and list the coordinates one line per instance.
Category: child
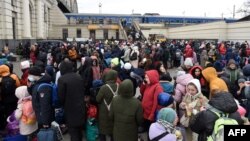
(91, 125)
(192, 102)
(24, 112)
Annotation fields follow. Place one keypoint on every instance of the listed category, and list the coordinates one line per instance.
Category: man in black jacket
(42, 97)
(71, 95)
(203, 122)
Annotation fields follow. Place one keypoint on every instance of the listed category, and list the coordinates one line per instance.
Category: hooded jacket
(126, 112)
(71, 95)
(180, 89)
(150, 94)
(234, 74)
(23, 95)
(200, 78)
(41, 101)
(5, 71)
(215, 84)
(188, 98)
(86, 73)
(105, 123)
(203, 122)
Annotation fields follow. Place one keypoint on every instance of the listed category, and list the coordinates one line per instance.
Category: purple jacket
(156, 129)
(180, 89)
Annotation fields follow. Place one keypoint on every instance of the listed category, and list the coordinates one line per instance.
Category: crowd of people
(116, 90)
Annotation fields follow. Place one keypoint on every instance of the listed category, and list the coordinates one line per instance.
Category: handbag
(185, 120)
(47, 135)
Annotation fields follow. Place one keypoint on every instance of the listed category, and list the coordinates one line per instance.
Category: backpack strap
(216, 111)
(157, 138)
(114, 94)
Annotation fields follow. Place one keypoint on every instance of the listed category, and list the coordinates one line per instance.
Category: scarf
(167, 125)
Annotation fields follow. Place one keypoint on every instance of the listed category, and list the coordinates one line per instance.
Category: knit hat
(25, 64)
(167, 114)
(241, 80)
(218, 66)
(127, 66)
(188, 62)
(21, 92)
(35, 70)
(165, 99)
(115, 61)
(241, 110)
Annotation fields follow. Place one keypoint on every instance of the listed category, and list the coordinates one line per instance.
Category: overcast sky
(199, 8)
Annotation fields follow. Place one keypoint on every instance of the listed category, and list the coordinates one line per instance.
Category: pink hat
(241, 110)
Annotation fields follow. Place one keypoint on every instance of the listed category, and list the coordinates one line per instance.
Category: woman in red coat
(150, 89)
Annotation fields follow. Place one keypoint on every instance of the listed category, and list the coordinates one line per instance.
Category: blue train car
(82, 18)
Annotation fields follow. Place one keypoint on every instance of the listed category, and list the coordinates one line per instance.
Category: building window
(13, 2)
(92, 34)
(65, 33)
(78, 33)
(106, 34)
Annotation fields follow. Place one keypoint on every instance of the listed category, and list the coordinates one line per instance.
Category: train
(87, 18)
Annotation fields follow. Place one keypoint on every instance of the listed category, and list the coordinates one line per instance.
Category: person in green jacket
(104, 98)
(126, 113)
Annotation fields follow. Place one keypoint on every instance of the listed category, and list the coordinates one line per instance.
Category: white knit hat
(188, 62)
(25, 64)
(127, 66)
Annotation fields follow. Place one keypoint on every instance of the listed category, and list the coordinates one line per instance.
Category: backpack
(55, 99)
(8, 87)
(133, 56)
(247, 90)
(28, 114)
(114, 95)
(178, 54)
(218, 132)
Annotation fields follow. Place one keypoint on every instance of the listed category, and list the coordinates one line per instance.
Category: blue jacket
(167, 87)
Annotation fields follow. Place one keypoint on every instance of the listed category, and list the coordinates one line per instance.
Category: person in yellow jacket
(9, 82)
(215, 83)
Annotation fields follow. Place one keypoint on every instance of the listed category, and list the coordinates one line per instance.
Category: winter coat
(215, 84)
(203, 122)
(9, 99)
(150, 94)
(96, 69)
(222, 49)
(157, 129)
(71, 95)
(72, 54)
(125, 57)
(24, 78)
(188, 98)
(203, 58)
(86, 73)
(25, 129)
(188, 52)
(234, 74)
(41, 101)
(180, 89)
(135, 63)
(5, 71)
(105, 123)
(126, 112)
(204, 88)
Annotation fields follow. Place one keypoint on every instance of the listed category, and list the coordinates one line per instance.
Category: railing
(138, 29)
(123, 31)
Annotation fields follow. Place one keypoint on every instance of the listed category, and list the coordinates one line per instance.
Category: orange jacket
(5, 71)
(215, 84)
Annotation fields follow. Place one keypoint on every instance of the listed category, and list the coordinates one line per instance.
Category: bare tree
(245, 9)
